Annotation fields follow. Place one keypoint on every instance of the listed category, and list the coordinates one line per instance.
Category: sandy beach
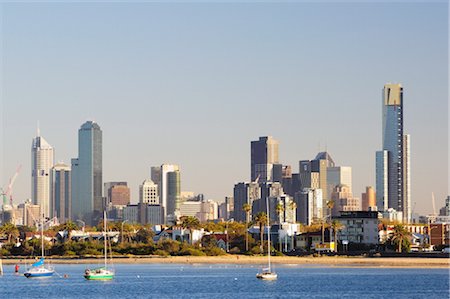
(324, 261)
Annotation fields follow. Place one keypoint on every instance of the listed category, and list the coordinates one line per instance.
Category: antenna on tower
(38, 129)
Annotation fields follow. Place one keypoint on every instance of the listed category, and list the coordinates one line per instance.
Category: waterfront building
(393, 163)
(264, 154)
(61, 203)
(42, 160)
(359, 227)
(368, 200)
(87, 175)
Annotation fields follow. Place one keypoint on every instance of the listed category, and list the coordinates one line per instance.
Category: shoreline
(324, 261)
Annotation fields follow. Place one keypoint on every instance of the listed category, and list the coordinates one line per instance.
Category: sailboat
(267, 273)
(39, 269)
(102, 273)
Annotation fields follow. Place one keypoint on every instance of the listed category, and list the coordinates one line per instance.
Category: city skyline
(202, 110)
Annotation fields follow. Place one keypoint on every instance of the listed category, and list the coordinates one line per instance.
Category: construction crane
(8, 191)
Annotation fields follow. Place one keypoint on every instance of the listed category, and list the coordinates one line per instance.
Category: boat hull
(40, 274)
(98, 274)
(267, 276)
(99, 277)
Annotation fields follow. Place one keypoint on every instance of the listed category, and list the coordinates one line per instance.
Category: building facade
(264, 154)
(170, 191)
(42, 160)
(61, 192)
(87, 175)
(368, 200)
(148, 193)
(396, 150)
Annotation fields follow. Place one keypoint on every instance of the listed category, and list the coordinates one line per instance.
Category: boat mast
(268, 231)
(42, 235)
(104, 233)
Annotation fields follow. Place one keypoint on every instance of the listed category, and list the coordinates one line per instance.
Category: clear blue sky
(194, 83)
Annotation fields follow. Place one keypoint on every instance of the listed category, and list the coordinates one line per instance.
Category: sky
(193, 83)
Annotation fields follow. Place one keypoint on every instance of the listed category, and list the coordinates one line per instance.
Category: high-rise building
(309, 205)
(264, 154)
(368, 200)
(155, 174)
(344, 200)
(169, 190)
(117, 193)
(61, 203)
(314, 174)
(382, 180)
(339, 175)
(244, 193)
(31, 213)
(396, 145)
(148, 193)
(42, 159)
(87, 174)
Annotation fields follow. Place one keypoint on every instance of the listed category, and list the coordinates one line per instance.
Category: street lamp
(121, 230)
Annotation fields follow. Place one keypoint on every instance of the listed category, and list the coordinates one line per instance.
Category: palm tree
(246, 208)
(337, 226)
(261, 220)
(280, 210)
(190, 223)
(330, 206)
(10, 230)
(400, 234)
(293, 207)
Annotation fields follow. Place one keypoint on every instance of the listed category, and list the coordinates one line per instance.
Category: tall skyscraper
(61, 192)
(87, 174)
(264, 154)
(170, 188)
(42, 159)
(397, 147)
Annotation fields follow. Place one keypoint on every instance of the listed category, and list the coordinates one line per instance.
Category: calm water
(231, 281)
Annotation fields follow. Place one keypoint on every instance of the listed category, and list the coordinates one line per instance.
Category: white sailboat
(267, 273)
(39, 269)
(102, 273)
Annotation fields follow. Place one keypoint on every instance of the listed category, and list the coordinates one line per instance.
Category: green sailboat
(101, 273)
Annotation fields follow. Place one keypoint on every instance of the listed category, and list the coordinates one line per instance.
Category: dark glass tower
(87, 174)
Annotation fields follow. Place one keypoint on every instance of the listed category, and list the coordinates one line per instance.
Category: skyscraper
(264, 154)
(169, 190)
(42, 159)
(87, 174)
(61, 192)
(396, 146)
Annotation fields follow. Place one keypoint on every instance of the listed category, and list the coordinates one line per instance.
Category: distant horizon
(194, 84)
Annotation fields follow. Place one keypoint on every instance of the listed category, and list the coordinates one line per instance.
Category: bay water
(230, 281)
